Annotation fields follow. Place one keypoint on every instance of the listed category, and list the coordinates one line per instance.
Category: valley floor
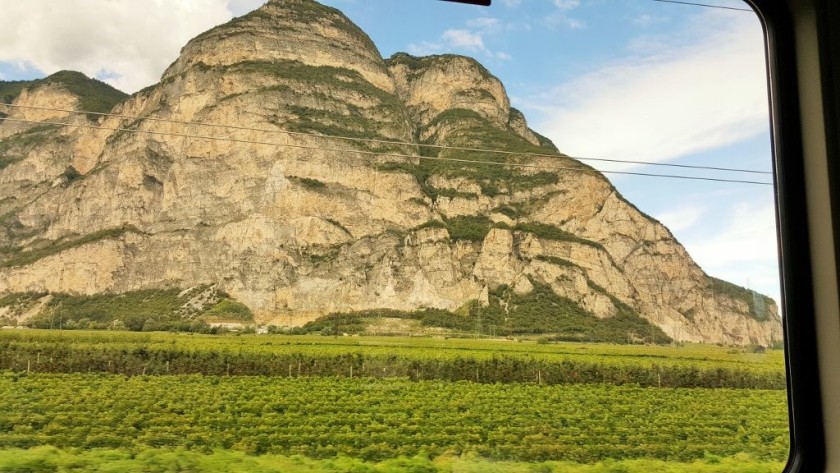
(116, 401)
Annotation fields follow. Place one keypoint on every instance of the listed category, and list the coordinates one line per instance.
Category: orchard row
(374, 419)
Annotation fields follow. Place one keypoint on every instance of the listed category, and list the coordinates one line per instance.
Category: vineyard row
(71, 358)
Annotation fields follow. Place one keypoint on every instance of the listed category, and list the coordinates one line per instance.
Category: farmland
(373, 401)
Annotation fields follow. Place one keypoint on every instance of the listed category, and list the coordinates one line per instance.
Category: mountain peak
(328, 218)
(286, 30)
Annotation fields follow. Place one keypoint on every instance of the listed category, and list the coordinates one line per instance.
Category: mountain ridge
(318, 225)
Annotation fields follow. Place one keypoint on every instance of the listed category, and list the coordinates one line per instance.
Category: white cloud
(682, 218)
(668, 103)
(567, 4)
(575, 24)
(424, 48)
(129, 42)
(512, 3)
(469, 40)
(748, 235)
(488, 26)
(463, 39)
(645, 20)
(485, 23)
(743, 250)
(241, 7)
(561, 20)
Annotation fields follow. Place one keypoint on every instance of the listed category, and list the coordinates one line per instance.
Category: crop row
(770, 360)
(375, 419)
(415, 364)
(419, 358)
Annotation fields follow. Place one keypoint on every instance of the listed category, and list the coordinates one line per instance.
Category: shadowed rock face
(310, 224)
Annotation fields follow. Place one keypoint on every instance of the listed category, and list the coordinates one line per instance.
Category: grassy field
(121, 401)
(48, 459)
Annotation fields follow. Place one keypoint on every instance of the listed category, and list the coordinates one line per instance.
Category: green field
(415, 357)
(173, 460)
(383, 404)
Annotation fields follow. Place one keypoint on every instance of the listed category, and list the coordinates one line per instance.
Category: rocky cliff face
(295, 223)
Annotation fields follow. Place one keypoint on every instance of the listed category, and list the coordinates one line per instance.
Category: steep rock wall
(295, 223)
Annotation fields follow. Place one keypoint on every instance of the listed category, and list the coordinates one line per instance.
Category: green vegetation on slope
(469, 129)
(133, 310)
(512, 210)
(355, 124)
(229, 310)
(464, 227)
(540, 311)
(307, 13)
(417, 64)
(21, 257)
(300, 17)
(476, 228)
(337, 77)
(468, 227)
(545, 142)
(543, 311)
(308, 182)
(359, 322)
(758, 304)
(142, 310)
(227, 29)
(553, 232)
(15, 147)
(6, 161)
(333, 116)
(9, 90)
(94, 95)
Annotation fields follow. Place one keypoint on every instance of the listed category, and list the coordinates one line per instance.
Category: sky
(639, 80)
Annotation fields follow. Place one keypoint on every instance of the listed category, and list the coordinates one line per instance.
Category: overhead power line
(375, 153)
(721, 7)
(389, 142)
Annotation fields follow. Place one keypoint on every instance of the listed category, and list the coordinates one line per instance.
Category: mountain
(224, 192)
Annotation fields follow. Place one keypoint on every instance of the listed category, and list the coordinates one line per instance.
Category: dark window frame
(807, 431)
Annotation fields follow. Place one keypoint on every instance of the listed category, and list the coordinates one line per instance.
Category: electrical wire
(375, 153)
(389, 142)
(722, 7)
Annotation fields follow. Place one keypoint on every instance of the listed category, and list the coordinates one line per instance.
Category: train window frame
(791, 38)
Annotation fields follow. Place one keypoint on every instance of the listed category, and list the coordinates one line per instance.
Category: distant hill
(94, 95)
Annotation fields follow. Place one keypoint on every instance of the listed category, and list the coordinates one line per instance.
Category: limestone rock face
(228, 173)
(44, 103)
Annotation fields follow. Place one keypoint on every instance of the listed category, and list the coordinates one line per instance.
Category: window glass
(388, 236)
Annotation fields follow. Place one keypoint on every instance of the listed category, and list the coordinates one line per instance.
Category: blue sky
(619, 79)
